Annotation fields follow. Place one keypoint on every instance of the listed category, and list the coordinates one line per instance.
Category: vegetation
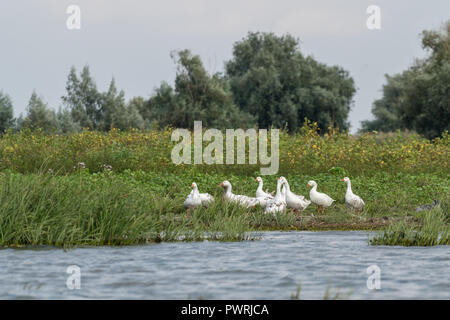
(435, 229)
(268, 82)
(120, 188)
(139, 207)
(270, 78)
(99, 170)
(6, 112)
(419, 98)
(306, 152)
(197, 96)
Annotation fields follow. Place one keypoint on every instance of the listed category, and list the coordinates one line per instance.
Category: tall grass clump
(435, 230)
(79, 209)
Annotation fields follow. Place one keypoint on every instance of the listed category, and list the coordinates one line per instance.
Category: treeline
(268, 82)
(418, 99)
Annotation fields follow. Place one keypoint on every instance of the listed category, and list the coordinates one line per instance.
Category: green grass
(434, 230)
(135, 207)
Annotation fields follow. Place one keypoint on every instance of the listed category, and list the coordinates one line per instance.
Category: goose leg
(187, 214)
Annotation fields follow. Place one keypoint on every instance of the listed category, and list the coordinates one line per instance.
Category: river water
(268, 268)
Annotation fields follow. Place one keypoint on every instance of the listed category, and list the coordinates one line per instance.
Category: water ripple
(270, 268)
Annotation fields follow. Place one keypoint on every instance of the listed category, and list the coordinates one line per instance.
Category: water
(270, 268)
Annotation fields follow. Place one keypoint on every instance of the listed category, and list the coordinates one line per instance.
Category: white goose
(293, 201)
(263, 197)
(321, 199)
(205, 197)
(236, 198)
(259, 191)
(351, 199)
(277, 204)
(193, 200)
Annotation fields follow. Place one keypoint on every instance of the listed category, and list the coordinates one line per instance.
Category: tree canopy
(197, 96)
(271, 79)
(268, 82)
(418, 98)
(6, 112)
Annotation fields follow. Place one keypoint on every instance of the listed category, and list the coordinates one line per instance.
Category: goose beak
(309, 186)
(221, 184)
(342, 180)
(256, 179)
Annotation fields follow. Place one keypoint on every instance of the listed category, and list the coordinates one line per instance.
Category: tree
(65, 121)
(271, 79)
(197, 96)
(419, 98)
(83, 99)
(39, 115)
(388, 110)
(115, 113)
(6, 112)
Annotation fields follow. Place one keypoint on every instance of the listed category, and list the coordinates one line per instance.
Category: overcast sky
(131, 40)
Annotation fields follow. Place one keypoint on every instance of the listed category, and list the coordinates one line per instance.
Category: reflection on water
(270, 268)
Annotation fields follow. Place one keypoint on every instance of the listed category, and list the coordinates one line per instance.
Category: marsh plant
(435, 229)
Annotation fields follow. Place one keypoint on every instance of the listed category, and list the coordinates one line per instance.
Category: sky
(132, 40)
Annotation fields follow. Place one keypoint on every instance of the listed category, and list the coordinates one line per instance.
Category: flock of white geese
(283, 199)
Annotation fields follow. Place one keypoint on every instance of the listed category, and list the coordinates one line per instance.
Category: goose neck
(286, 185)
(227, 191)
(260, 185)
(278, 188)
(349, 187)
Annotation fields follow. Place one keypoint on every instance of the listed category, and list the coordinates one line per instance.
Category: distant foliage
(83, 99)
(115, 113)
(271, 79)
(197, 96)
(268, 83)
(39, 115)
(304, 152)
(6, 112)
(418, 98)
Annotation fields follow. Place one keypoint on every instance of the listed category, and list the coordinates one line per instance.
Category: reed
(435, 229)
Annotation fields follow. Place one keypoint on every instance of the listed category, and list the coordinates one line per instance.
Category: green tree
(65, 122)
(388, 110)
(197, 96)
(39, 115)
(270, 78)
(419, 98)
(83, 99)
(6, 112)
(116, 113)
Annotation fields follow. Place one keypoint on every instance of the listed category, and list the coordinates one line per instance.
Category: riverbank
(135, 207)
